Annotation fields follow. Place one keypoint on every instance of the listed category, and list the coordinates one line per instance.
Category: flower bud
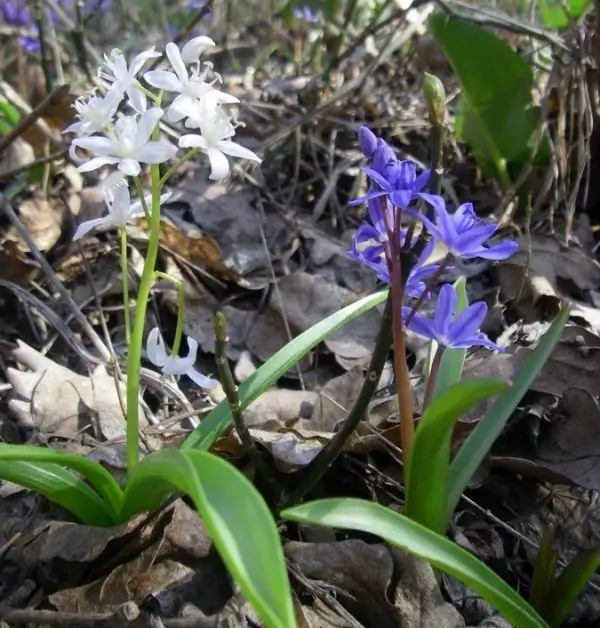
(435, 95)
(367, 140)
(384, 158)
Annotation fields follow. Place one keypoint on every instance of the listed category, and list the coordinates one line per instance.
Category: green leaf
(496, 116)
(570, 584)
(104, 483)
(554, 15)
(61, 487)
(235, 515)
(9, 112)
(453, 360)
(427, 473)
(481, 439)
(219, 419)
(400, 531)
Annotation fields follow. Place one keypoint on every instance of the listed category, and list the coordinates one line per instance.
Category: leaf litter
(257, 251)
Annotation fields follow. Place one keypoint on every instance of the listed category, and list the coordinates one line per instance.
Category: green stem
(190, 153)
(139, 188)
(137, 337)
(180, 309)
(331, 451)
(432, 377)
(125, 280)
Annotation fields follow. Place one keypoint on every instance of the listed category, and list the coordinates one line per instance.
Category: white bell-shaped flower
(191, 87)
(121, 211)
(95, 113)
(123, 79)
(217, 131)
(127, 145)
(174, 365)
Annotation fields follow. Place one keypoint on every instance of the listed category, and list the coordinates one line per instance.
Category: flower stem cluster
(119, 130)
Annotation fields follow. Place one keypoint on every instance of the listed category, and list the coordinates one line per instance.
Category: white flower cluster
(125, 140)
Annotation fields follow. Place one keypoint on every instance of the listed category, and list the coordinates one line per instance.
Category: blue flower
(449, 330)
(306, 14)
(398, 181)
(463, 233)
(369, 247)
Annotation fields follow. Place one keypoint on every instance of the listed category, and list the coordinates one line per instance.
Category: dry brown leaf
(56, 401)
(194, 247)
(546, 275)
(15, 265)
(43, 219)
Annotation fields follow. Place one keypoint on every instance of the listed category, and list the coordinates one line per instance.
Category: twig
(7, 209)
(231, 392)
(125, 614)
(42, 161)
(331, 451)
(53, 98)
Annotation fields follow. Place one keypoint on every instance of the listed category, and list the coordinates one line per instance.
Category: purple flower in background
(463, 233)
(306, 14)
(15, 13)
(448, 329)
(399, 182)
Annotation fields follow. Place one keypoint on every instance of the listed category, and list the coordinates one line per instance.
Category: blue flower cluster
(16, 13)
(396, 185)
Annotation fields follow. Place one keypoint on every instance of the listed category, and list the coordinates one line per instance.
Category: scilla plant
(433, 481)
(119, 130)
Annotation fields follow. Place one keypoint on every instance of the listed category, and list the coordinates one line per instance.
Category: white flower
(191, 88)
(191, 51)
(217, 131)
(174, 365)
(123, 78)
(121, 210)
(95, 114)
(127, 145)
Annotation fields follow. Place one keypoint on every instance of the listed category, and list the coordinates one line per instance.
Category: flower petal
(192, 140)
(137, 98)
(156, 153)
(147, 124)
(97, 162)
(445, 310)
(502, 250)
(201, 380)
(155, 348)
(219, 166)
(85, 227)
(420, 325)
(140, 59)
(121, 205)
(468, 321)
(174, 56)
(98, 145)
(381, 181)
(130, 167)
(191, 51)
(236, 150)
(163, 79)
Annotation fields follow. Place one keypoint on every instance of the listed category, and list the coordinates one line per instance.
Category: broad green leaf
(427, 473)
(453, 360)
(235, 515)
(219, 419)
(400, 531)
(95, 473)
(61, 487)
(497, 116)
(481, 439)
(569, 585)
(553, 12)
